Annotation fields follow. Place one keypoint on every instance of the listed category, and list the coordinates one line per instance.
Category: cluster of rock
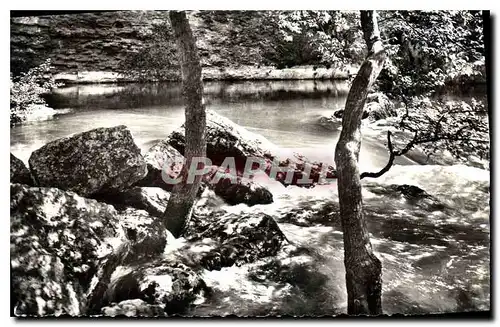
(86, 230)
(227, 139)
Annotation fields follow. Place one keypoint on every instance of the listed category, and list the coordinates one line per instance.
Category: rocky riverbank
(90, 206)
(87, 236)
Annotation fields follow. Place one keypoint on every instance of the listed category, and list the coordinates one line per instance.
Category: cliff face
(80, 42)
(102, 41)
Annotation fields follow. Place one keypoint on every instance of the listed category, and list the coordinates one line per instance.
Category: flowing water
(435, 251)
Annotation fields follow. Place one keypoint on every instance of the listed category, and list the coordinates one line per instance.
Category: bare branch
(392, 156)
(415, 141)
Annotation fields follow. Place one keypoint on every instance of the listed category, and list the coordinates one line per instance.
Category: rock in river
(237, 239)
(151, 199)
(226, 139)
(162, 157)
(60, 242)
(89, 163)
(160, 284)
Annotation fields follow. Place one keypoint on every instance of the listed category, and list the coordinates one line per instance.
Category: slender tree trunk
(180, 204)
(363, 268)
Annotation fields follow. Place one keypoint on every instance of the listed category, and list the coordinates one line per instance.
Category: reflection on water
(114, 96)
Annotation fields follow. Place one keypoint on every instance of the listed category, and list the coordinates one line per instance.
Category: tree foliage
(261, 38)
(429, 48)
(318, 37)
(428, 53)
(26, 91)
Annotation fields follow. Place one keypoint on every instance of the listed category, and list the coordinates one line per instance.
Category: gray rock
(18, 172)
(162, 157)
(57, 239)
(159, 284)
(243, 190)
(89, 163)
(238, 238)
(226, 139)
(60, 243)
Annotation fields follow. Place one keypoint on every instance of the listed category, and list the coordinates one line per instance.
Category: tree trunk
(181, 202)
(363, 268)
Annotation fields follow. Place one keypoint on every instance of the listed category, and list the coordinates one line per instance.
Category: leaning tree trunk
(181, 201)
(363, 268)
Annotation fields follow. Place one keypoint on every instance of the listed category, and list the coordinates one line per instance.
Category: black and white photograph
(250, 163)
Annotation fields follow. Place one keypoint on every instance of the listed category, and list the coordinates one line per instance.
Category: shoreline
(245, 73)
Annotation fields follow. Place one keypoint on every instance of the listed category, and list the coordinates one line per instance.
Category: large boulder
(18, 171)
(235, 239)
(162, 159)
(90, 163)
(60, 243)
(236, 189)
(227, 139)
(151, 199)
(57, 239)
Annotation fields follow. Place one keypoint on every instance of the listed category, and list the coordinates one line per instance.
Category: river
(436, 258)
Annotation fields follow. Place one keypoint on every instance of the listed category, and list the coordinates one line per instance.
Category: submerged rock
(57, 239)
(18, 171)
(235, 189)
(413, 195)
(161, 284)
(97, 161)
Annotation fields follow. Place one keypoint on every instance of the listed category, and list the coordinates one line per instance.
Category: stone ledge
(214, 73)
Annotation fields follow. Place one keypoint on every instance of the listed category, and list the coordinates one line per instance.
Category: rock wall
(98, 46)
(80, 42)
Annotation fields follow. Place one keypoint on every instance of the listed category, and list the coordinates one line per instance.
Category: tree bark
(363, 268)
(180, 204)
